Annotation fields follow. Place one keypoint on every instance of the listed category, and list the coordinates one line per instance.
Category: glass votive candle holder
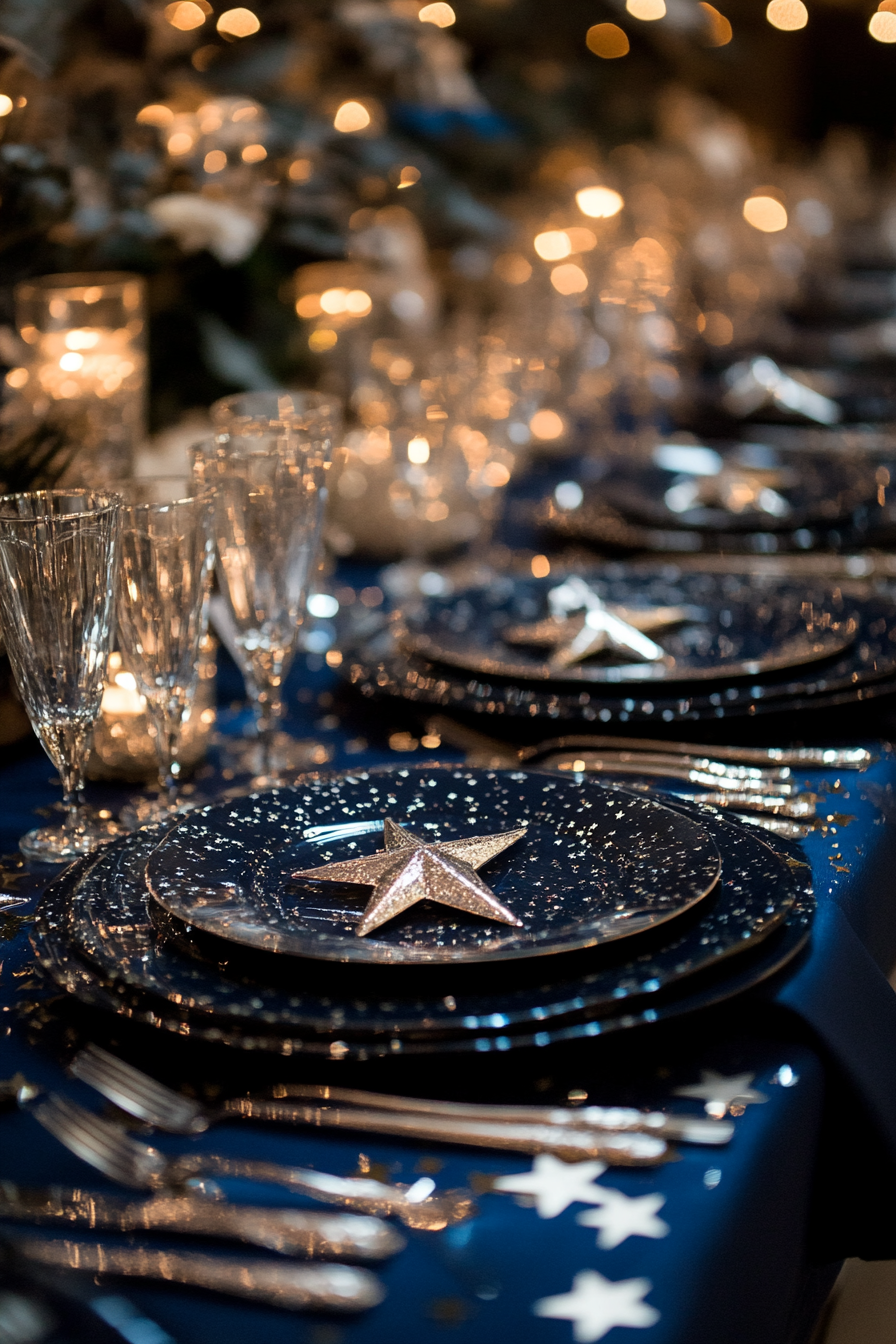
(86, 333)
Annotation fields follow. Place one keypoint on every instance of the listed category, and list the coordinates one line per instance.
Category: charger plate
(106, 951)
(594, 865)
(97, 924)
(739, 630)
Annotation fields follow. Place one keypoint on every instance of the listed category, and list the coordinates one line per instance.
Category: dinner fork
(294, 1287)
(139, 1166)
(157, 1105)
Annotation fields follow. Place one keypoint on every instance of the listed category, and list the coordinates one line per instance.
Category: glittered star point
(407, 870)
(555, 1184)
(596, 1305)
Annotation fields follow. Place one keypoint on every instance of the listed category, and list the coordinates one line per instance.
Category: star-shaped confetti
(555, 1184)
(621, 1216)
(719, 1092)
(595, 1305)
(407, 871)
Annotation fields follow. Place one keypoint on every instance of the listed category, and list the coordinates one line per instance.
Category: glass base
(54, 844)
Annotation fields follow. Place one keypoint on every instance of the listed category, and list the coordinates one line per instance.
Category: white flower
(197, 222)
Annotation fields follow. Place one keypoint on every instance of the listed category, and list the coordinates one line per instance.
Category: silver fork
(294, 1287)
(155, 1104)
(141, 1167)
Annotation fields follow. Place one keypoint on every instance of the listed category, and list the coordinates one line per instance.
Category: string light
(719, 30)
(440, 14)
(608, 41)
(351, 116)
(599, 202)
(552, 245)
(646, 10)
(238, 23)
(788, 15)
(765, 213)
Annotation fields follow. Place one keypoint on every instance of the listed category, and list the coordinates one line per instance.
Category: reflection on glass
(58, 550)
(167, 554)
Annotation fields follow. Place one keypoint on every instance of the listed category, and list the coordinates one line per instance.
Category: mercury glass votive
(87, 340)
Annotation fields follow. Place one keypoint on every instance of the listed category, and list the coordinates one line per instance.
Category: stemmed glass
(58, 550)
(167, 556)
(268, 467)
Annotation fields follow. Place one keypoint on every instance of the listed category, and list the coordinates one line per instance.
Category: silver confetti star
(718, 1092)
(407, 871)
(555, 1184)
(595, 1305)
(621, 1216)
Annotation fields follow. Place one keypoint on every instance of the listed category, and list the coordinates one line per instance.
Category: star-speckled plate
(594, 865)
(734, 631)
(98, 938)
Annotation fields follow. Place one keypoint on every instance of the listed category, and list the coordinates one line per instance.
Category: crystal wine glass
(268, 466)
(167, 556)
(58, 550)
(268, 508)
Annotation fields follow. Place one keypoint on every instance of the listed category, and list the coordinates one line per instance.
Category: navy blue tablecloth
(756, 1229)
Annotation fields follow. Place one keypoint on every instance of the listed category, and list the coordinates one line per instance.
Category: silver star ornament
(718, 1092)
(595, 1305)
(407, 871)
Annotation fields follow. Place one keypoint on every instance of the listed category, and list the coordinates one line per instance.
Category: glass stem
(72, 799)
(168, 743)
(268, 715)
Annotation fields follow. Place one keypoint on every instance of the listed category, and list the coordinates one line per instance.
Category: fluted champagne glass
(167, 557)
(58, 551)
(268, 507)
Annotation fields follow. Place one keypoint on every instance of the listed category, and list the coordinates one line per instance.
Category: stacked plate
(795, 491)
(726, 645)
(624, 911)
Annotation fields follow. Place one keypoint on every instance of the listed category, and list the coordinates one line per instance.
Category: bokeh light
(599, 202)
(181, 142)
(552, 245)
(254, 154)
(185, 15)
(418, 450)
(5, 104)
(300, 170)
(882, 26)
(440, 14)
(608, 41)
(569, 279)
(718, 29)
(322, 339)
(646, 10)
(547, 425)
(215, 161)
(351, 116)
(408, 176)
(788, 15)
(512, 268)
(580, 239)
(238, 23)
(541, 566)
(765, 213)
(155, 114)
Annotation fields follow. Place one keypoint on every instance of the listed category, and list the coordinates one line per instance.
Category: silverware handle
(294, 1287)
(629, 1149)
(845, 758)
(620, 1119)
(300, 1232)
